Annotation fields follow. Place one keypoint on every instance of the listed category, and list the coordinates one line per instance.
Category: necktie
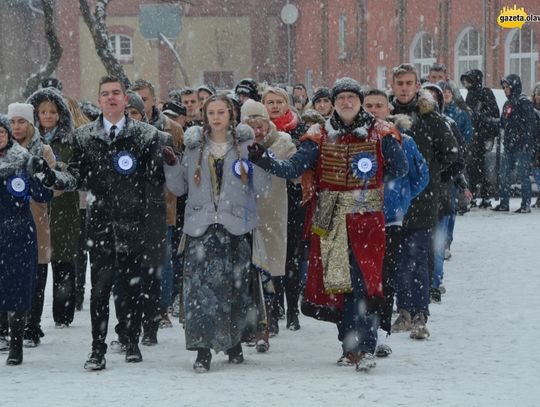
(112, 134)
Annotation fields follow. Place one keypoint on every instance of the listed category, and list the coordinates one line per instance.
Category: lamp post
(289, 15)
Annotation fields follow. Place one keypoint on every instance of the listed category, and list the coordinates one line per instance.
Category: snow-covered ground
(483, 349)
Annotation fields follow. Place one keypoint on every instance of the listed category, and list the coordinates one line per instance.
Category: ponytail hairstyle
(206, 130)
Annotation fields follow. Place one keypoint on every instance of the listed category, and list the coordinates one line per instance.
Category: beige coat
(272, 209)
(40, 213)
(175, 130)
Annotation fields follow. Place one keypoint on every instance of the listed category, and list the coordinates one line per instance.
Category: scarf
(287, 122)
(360, 125)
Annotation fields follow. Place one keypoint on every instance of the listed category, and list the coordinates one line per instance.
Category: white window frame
(424, 61)
(464, 35)
(532, 56)
(381, 77)
(117, 39)
(342, 35)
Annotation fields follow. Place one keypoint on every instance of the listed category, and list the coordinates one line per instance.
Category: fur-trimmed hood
(15, 159)
(426, 103)
(65, 125)
(193, 135)
(401, 121)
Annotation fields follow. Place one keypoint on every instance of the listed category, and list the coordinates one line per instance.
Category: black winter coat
(483, 103)
(440, 149)
(518, 118)
(117, 192)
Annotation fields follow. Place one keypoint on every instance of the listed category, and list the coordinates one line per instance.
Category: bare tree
(55, 50)
(98, 28)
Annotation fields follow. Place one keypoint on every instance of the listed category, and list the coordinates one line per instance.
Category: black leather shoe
(500, 208)
(15, 356)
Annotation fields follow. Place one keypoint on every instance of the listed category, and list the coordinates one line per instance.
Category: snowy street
(482, 350)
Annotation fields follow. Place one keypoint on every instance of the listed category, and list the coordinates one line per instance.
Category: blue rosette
(18, 185)
(125, 163)
(364, 165)
(247, 165)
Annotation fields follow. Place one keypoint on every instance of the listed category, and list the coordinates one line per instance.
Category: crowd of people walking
(231, 210)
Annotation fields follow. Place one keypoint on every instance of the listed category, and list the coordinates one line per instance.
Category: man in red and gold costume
(344, 166)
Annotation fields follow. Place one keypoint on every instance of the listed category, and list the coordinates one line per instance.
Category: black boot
(202, 363)
(292, 320)
(236, 356)
(15, 356)
(16, 323)
(133, 353)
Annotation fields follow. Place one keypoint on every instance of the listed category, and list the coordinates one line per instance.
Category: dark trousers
(149, 305)
(476, 169)
(4, 325)
(82, 261)
(63, 292)
(412, 281)
(392, 260)
(33, 323)
(124, 270)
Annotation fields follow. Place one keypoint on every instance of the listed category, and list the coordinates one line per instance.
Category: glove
(39, 169)
(169, 157)
(257, 154)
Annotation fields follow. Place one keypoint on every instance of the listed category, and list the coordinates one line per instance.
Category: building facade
(365, 39)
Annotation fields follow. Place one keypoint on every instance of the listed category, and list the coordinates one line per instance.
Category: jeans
(358, 329)
(522, 160)
(536, 174)
(412, 279)
(439, 243)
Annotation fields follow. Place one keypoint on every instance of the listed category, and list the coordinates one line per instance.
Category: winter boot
(501, 208)
(348, 359)
(262, 343)
(292, 321)
(383, 350)
(485, 204)
(435, 295)
(96, 361)
(419, 329)
(366, 361)
(32, 337)
(523, 209)
(165, 321)
(149, 339)
(202, 363)
(15, 356)
(236, 356)
(133, 353)
(403, 322)
(119, 346)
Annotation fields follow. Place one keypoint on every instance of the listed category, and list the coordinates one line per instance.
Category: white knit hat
(24, 110)
(251, 109)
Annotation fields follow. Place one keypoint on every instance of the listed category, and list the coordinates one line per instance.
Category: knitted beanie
(24, 110)
(319, 94)
(251, 109)
(347, 85)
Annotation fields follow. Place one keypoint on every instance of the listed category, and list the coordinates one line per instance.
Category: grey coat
(236, 208)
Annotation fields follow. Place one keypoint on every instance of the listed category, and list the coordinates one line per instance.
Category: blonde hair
(79, 118)
(206, 130)
(276, 91)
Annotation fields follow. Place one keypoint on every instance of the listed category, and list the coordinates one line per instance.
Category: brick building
(366, 39)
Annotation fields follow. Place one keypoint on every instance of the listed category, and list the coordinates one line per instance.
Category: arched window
(468, 51)
(522, 56)
(423, 53)
(122, 47)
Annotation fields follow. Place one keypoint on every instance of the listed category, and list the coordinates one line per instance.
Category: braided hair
(206, 131)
